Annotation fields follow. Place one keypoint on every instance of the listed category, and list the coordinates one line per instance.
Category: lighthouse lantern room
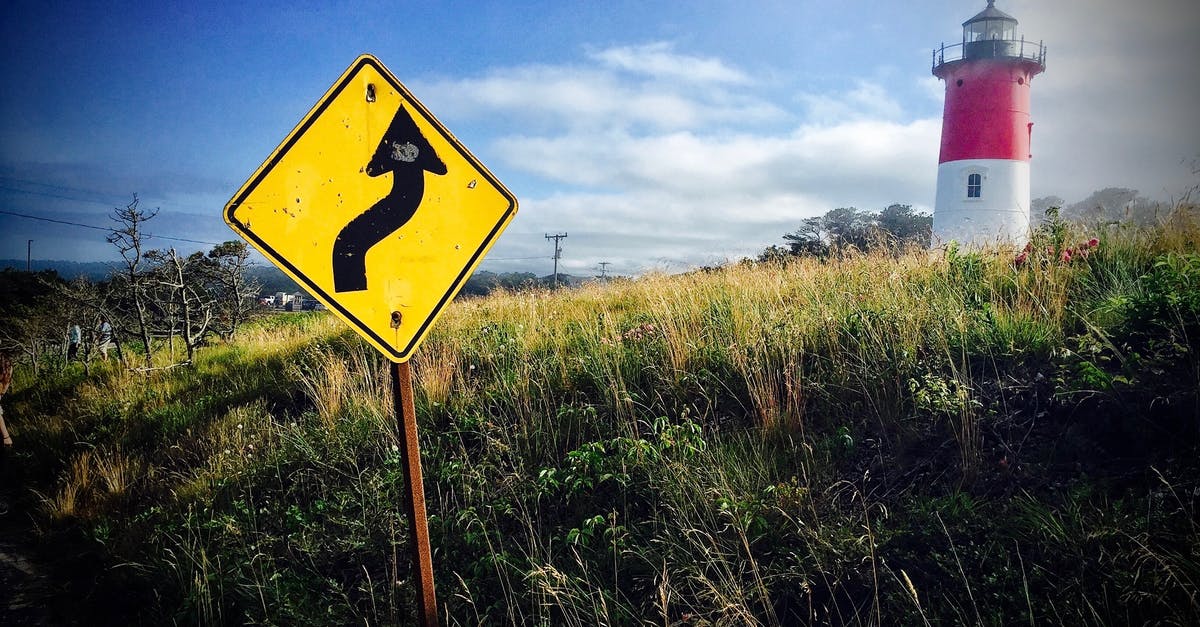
(983, 168)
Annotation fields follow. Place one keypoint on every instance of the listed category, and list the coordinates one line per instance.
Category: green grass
(936, 439)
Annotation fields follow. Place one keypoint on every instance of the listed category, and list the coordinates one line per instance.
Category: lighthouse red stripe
(987, 111)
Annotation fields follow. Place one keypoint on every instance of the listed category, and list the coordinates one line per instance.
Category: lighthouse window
(974, 185)
(985, 30)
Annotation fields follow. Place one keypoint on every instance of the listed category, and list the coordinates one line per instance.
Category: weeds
(869, 439)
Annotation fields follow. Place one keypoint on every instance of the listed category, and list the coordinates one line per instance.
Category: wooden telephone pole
(557, 253)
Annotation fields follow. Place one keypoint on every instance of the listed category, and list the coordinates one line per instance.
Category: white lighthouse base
(997, 216)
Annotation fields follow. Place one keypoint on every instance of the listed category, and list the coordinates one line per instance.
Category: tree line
(898, 226)
(152, 298)
(895, 228)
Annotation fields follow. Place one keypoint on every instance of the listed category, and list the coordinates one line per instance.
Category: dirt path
(24, 591)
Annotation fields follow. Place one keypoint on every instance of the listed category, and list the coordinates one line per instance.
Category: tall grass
(872, 439)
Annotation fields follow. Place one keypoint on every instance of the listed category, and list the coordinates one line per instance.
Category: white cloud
(645, 171)
(694, 165)
(866, 101)
(697, 199)
(933, 87)
(669, 92)
(661, 62)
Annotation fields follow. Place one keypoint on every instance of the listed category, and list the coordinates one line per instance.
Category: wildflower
(1021, 259)
(1066, 255)
(1094, 242)
(239, 426)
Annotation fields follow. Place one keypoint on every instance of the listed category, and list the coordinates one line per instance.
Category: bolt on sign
(375, 208)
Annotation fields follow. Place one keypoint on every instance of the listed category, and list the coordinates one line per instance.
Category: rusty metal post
(410, 455)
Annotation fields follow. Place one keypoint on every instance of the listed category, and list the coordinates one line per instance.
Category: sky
(659, 136)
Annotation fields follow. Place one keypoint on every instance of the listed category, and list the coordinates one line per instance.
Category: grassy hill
(930, 439)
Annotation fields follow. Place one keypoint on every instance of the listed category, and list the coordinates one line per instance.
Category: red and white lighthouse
(983, 169)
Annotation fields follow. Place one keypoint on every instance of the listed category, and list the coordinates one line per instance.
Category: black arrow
(405, 153)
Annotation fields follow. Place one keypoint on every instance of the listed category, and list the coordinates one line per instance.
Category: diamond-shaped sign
(375, 208)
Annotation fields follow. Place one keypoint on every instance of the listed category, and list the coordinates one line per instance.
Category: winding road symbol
(374, 208)
(405, 153)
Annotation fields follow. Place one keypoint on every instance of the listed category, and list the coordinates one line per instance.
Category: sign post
(381, 214)
(410, 456)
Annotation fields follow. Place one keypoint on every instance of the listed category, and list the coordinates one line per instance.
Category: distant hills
(274, 280)
(94, 270)
(271, 278)
(483, 282)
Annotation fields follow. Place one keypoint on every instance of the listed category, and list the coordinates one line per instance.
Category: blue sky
(659, 135)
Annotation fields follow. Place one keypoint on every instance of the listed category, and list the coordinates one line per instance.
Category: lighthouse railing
(990, 48)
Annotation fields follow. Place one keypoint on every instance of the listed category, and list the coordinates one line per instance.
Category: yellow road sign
(375, 208)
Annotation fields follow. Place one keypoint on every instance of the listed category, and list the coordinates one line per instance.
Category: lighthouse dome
(991, 13)
(991, 33)
(990, 24)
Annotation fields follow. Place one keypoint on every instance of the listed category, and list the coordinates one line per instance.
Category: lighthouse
(983, 168)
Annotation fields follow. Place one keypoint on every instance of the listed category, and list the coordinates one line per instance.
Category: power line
(22, 215)
(100, 228)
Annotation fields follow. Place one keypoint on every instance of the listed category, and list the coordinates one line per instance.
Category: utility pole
(557, 253)
(29, 256)
(603, 268)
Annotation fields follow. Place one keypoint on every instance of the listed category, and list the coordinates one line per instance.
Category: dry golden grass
(92, 480)
(338, 383)
(264, 340)
(64, 504)
(118, 472)
(435, 370)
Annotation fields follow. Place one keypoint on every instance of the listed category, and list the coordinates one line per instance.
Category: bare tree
(236, 292)
(186, 281)
(128, 238)
(32, 321)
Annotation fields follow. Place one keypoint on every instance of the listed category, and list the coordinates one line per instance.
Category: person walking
(104, 335)
(74, 337)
